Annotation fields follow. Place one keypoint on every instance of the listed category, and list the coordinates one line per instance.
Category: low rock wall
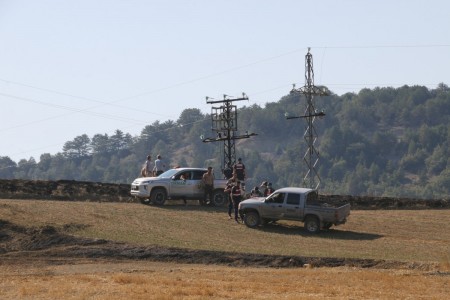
(71, 190)
(65, 190)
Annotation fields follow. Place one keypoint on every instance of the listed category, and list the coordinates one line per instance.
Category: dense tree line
(381, 142)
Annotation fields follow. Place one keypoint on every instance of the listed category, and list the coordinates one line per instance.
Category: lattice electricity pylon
(224, 123)
(311, 156)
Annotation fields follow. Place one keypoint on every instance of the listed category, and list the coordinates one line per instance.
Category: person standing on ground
(208, 183)
(236, 194)
(230, 184)
(239, 169)
(159, 166)
(228, 172)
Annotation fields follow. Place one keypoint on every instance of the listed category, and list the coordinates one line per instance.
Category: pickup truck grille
(135, 188)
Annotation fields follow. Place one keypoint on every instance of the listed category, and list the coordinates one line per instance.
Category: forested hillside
(380, 142)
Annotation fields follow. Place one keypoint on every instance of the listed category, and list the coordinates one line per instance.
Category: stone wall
(369, 202)
(64, 190)
(70, 190)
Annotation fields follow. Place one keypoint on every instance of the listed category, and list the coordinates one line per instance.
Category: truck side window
(293, 199)
(197, 175)
(279, 198)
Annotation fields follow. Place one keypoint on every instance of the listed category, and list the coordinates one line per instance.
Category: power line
(138, 122)
(73, 111)
(77, 97)
(113, 103)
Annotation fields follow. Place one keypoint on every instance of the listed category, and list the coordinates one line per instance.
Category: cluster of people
(235, 192)
(266, 188)
(235, 185)
(236, 189)
(149, 169)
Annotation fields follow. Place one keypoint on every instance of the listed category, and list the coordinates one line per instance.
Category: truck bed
(329, 213)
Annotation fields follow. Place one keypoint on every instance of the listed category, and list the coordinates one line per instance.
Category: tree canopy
(383, 142)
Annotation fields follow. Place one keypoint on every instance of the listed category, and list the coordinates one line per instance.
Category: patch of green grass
(404, 235)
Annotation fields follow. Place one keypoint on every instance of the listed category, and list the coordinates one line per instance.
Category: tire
(251, 219)
(312, 224)
(158, 197)
(219, 198)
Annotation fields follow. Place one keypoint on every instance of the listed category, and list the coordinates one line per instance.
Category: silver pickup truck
(291, 203)
(177, 184)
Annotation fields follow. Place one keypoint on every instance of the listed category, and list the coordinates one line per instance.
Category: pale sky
(77, 67)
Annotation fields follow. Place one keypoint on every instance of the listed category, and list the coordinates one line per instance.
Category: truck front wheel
(312, 224)
(251, 219)
(158, 196)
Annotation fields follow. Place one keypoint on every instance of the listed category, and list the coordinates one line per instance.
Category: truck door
(293, 209)
(182, 185)
(274, 206)
(197, 190)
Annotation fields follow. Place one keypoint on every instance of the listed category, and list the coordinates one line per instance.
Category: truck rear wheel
(312, 224)
(158, 196)
(251, 219)
(219, 198)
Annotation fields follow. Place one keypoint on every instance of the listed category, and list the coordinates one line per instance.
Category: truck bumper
(139, 191)
(340, 222)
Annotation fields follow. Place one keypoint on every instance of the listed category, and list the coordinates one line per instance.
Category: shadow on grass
(280, 227)
(191, 205)
(332, 233)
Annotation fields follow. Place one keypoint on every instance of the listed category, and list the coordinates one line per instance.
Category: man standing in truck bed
(159, 166)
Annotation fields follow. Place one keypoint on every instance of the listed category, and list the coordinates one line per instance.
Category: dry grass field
(413, 244)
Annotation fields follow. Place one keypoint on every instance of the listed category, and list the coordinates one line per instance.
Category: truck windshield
(168, 173)
(276, 198)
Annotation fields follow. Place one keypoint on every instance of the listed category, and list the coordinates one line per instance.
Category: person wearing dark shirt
(236, 195)
(230, 184)
(239, 169)
(266, 188)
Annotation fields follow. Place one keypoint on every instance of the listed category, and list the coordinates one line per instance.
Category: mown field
(418, 237)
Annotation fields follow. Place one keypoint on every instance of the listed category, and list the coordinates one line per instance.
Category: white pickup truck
(291, 203)
(177, 184)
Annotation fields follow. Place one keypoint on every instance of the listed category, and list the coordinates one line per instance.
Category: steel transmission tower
(224, 123)
(311, 156)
